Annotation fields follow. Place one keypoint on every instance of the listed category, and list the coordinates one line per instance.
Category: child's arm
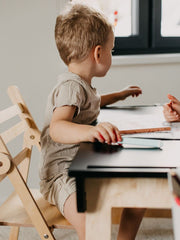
(172, 109)
(63, 130)
(123, 94)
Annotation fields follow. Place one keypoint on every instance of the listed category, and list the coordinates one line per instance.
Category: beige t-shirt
(70, 90)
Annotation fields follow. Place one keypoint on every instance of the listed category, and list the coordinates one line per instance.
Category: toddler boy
(84, 40)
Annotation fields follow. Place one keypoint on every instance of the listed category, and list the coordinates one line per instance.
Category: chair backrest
(17, 168)
(26, 125)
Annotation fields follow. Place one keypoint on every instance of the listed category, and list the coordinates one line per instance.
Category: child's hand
(169, 114)
(175, 103)
(104, 132)
(131, 91)
(171, 110)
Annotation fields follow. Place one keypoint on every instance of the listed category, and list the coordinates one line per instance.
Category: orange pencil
(145, 130)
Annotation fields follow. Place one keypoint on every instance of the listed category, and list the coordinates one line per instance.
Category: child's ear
(97, 53)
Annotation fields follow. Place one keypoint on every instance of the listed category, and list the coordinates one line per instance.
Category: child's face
(106, 55)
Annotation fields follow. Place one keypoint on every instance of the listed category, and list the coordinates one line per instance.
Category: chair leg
(14, 233)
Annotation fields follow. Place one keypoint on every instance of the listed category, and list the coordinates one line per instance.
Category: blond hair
(78, 31)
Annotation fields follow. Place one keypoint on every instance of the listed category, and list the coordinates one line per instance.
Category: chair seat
(12, 212)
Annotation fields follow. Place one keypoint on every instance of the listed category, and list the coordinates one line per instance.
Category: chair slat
(2, 177)
(9, 113)
(3, 149)
(10, 216)
(16, 97)
(13, 132)
(21, 156)
(18, 159)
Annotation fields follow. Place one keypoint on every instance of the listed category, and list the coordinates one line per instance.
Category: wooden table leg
(105, 193)
(98, 215)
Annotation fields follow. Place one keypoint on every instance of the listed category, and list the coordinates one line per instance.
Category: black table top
(98, 160)
(103, 160)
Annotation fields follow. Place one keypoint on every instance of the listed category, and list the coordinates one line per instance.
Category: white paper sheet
(127, 118)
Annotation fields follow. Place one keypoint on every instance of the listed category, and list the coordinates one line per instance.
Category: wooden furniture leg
(105, 193)
(14, 233)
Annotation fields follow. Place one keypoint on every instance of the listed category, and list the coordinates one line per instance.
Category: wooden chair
(24, 207)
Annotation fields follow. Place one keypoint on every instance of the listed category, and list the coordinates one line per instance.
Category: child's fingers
(169, 104)
(168, 107)
(118, 135)
(115, 134)
(103, 133)
(172, 98)
(169, 114)
(100, 138)
(172, 118)
(109, 132)
(135, 93)
(96, 136)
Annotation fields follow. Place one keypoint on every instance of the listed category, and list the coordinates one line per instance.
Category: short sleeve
(69, 93)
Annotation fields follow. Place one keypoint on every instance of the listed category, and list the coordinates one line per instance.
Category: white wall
(29, 59)
(156, 81)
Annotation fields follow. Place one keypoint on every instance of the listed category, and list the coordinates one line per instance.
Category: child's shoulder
(68, 82)
(71, 80)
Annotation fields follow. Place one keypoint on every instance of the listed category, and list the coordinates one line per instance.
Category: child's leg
(130, 222)
(75, 218)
